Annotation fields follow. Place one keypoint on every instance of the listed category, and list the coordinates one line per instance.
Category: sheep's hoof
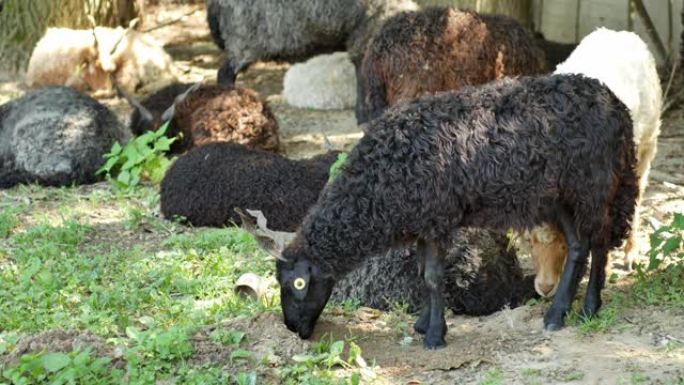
(553, 320)
(590, 307)
(433, 342)
(421, 325)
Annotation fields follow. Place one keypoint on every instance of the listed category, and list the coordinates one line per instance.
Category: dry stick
(650, 28)
(170, 22)
(667, 89)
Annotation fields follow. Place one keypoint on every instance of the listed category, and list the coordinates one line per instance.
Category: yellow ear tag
(299, 283)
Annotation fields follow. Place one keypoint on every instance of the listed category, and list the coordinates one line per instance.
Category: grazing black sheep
(207, 113)
(294, 30)
(206, 184)
(513, 153)
(55, 136)
(481, 276)
(441, 49)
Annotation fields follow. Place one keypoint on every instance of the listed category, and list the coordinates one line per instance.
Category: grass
(145, 299)
(492, 377)
(100, 259)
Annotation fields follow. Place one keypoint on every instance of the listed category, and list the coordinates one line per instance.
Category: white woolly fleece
(622, 61)
(323, 82)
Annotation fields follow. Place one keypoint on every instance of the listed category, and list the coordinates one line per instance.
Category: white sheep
(324, 82)
(85, 59)
(623, 62)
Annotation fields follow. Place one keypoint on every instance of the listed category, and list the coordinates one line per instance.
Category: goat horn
(144, 112)
(131, 26)
(93, 25)
(171, 111)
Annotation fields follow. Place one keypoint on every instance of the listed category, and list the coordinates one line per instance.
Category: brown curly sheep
(441, 49)
(207, 113)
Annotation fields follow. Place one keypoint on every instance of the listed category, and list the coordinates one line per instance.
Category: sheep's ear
(180, 98)
(145, 114)
(272, 241)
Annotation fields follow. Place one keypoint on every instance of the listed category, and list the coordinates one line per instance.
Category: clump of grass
(656, 285)
(493, 377)
(9, 220)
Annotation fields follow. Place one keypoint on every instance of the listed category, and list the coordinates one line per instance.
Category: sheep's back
(440, 49)
(495, 156)
(206, 184)
(482, 275)
(291, 31)
(57, 136)
(217, 113)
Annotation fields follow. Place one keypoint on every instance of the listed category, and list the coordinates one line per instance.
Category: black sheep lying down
(512, 153)
(55, 136)
(481, 276)
(206, 184)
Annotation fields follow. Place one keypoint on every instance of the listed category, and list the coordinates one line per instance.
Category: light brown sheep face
(549, 250)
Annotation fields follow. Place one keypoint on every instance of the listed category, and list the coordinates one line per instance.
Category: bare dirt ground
(509, 346)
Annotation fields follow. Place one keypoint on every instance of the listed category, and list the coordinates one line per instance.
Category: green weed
(141, 158)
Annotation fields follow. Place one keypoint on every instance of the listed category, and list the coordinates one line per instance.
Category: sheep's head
(304, 291)
(304, 287)
(549, 251)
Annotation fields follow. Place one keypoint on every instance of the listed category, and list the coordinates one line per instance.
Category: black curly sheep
(55, 136)
(513, 153)
(206, 184)
(481, 276)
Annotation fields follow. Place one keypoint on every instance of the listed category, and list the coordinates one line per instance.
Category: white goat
(85, 59)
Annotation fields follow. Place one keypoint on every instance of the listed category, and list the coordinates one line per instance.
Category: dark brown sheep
(441, 49)
(208, 113)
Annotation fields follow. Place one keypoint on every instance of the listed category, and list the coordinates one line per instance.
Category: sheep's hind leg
(575, 265)
(423, 321)
(597, 279)
(433, 314)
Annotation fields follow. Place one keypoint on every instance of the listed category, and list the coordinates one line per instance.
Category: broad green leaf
(124, 177)
(116, 149)
(53, 362)
(336, 348)
(240, 354)
(107, 167)
(678, 221)
(671, 245)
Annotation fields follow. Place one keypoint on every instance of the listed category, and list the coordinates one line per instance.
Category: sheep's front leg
(432, 318)
(361, 113)
(597, 279)
(575, 265)
(227, 74)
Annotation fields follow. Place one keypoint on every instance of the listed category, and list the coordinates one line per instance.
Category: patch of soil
(514, 340)
(63, 341)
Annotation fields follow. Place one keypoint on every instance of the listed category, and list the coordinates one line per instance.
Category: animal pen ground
(94, 269)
